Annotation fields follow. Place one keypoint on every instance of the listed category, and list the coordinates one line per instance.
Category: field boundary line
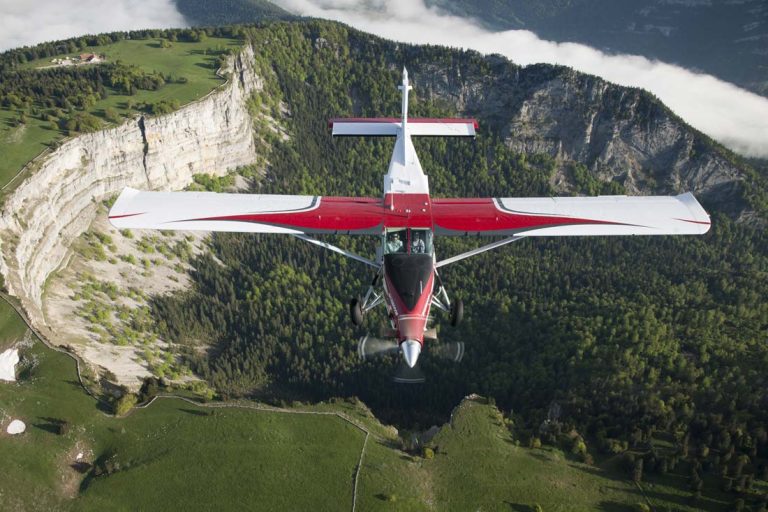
(266, 408)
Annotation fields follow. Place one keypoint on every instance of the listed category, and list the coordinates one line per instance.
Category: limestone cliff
(57, 201)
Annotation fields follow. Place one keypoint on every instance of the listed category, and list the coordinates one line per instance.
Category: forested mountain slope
(630, 336)
(728, 39)
(227, 12)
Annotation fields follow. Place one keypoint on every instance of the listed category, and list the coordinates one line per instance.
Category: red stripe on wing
(482, 215)
(126, 215)
(706, 223)
(332, 214)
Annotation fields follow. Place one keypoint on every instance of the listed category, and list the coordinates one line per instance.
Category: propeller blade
(369, 347)
(407, 375)
(451, 350)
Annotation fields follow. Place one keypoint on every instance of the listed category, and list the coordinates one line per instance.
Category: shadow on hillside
(195, 412)
(52, 425)
(602, 473)
(519, 507)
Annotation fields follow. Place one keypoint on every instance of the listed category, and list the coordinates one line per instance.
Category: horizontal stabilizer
(417, 127)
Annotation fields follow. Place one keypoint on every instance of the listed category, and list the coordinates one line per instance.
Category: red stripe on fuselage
(410, 323)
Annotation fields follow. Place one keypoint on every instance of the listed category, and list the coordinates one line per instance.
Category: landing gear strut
(359, 307)
(457, 312)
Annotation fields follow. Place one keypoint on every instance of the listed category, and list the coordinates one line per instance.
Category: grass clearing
(195, 62)
(12, 328)
(170, 455)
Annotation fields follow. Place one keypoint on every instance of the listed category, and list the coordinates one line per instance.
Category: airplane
(407, 221)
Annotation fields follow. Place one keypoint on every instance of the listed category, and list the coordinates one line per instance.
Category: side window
(395, 242)
(421, 241)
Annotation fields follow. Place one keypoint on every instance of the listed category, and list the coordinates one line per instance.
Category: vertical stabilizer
(405, 87)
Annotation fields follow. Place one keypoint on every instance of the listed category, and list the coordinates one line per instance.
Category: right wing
(571, 216)
(250, 213)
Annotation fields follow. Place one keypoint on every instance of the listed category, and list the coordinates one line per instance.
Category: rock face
(56, 203)
(620, 134)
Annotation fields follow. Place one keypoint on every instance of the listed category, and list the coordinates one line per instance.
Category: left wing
(264, 213)
(571, 216)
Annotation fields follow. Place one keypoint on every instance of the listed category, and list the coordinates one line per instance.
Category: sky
(731, 115)
(24, 22)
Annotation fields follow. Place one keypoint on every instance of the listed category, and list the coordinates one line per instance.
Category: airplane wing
(571, 216)
(210, 211)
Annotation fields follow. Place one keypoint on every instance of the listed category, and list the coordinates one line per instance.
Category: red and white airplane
(407, 220)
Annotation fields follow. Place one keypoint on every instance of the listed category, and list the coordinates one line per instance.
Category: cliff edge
(58, 201)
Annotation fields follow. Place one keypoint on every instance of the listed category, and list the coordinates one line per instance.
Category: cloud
(733, 116)
(26, 23)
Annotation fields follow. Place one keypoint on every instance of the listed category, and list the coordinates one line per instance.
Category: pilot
(394, 243)
(417, 245)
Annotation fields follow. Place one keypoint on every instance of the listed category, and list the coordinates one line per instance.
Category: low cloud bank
(28, 23)
(733, 116)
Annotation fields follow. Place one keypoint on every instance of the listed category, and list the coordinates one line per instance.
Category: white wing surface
(571, 216)
(210, 211)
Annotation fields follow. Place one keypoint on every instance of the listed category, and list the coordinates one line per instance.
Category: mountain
(228, 12)
(725, 38)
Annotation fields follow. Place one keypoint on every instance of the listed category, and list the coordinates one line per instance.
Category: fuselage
(408, 270)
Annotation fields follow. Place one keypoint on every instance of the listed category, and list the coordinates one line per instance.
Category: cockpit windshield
(410, 241)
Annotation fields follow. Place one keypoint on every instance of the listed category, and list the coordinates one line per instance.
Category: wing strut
(333, 248)
(475, 252)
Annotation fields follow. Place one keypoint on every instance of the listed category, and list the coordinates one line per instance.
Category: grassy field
(193, 61)
(170, 455)
(12, 328)
(176, 455)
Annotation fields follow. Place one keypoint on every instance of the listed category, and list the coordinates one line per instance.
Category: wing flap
(249, 213)
(571, 216)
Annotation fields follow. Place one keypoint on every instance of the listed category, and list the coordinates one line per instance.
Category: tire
(457, 312)
(355, 311)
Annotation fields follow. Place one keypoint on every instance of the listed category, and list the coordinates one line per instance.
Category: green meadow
(12, 328)
(194, 61)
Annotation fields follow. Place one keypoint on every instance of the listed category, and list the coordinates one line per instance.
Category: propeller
(370, 347)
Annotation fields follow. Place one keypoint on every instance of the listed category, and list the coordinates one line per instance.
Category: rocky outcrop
(57, 201)
(621, 134)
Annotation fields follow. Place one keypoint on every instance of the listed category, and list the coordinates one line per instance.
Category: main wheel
(457, 312)
(355, 311)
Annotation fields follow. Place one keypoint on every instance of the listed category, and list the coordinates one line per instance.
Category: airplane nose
(411, 350)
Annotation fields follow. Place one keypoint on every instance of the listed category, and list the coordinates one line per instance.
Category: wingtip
(699, 215)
